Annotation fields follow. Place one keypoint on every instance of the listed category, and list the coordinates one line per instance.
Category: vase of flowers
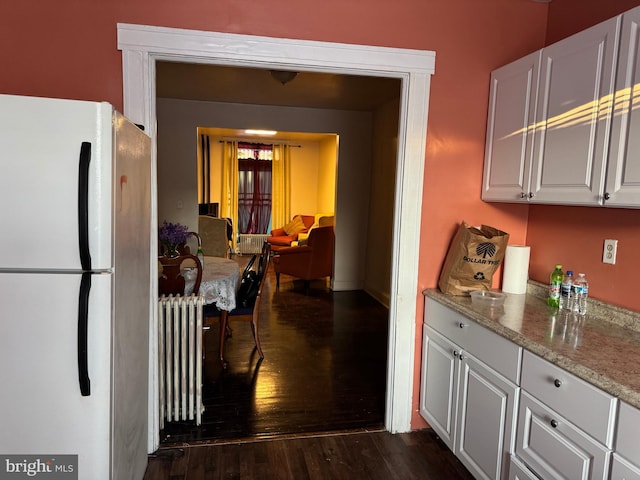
(171, 235)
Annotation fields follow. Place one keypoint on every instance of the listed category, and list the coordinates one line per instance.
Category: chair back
(214, 236)
(171, 280)
(263, 269)
(253, 280)
(321, 241)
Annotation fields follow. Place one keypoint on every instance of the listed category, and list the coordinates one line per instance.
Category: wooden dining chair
(171, 281)
(247, 301)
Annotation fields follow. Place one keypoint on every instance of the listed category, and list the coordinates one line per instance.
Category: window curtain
(204, 169)
(229, 207)
(254, 188)
(281, 189)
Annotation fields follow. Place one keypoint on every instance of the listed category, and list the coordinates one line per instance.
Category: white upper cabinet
(623, 172)
(577, 80)
(552, 138)
(509, 145)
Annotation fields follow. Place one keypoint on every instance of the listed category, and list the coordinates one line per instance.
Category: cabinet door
(574, 107)
(623, 470)
(438, 384)
(485, 427)
(509, 143)
(554, 448)
(623, 170)
(628, 434)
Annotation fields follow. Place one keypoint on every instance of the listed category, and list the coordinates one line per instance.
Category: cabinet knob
(554, 423)
(531, 194)
(523, 195)
(461, 357)
(455, 353)
(461, 325)
(607, 196)
(557, 382)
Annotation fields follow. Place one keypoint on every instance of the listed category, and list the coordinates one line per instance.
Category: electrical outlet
(609, 251)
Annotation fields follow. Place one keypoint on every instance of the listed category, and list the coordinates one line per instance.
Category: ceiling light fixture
(283, 76)
(265, 133)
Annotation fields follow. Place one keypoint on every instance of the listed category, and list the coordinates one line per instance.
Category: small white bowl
(487, 298)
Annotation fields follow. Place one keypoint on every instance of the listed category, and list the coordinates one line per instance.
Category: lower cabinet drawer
(576, 400)
(499, 353)
(552, 447)
(623, 470)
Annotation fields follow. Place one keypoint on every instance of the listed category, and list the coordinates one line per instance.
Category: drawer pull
(461, 325)
(554, 423)
(557, 382)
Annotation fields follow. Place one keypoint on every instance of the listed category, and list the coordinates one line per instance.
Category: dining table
(219, 284)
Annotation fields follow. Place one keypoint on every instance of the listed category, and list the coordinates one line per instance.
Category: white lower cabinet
(518, 471)
(509, 414)
(439, 384)
(467, 402)
(555, 448)
(623, 470)
(484, 420)
(626, 459)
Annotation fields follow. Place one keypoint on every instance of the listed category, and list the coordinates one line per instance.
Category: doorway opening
(143, 46)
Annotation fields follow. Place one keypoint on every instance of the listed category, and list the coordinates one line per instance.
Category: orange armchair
(310, 261)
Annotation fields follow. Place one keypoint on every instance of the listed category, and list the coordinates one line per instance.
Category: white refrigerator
(74, 285)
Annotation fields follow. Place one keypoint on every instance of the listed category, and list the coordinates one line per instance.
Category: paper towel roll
(516, 269)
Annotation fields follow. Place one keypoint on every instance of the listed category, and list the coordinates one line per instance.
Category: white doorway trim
(142, 46)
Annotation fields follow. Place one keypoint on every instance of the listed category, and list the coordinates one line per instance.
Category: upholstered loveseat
(283, 236)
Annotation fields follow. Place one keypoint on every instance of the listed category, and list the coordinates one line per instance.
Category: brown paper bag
(473, 257)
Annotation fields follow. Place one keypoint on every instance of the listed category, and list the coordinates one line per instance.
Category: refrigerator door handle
(83, 327)
(83, 205)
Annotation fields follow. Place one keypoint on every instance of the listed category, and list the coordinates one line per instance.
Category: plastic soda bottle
(555, 286)
(200, 256)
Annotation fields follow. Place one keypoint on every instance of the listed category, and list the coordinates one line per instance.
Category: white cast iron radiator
(251, 243)
(180, 358)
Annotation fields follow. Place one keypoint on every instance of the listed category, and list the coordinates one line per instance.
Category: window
(254, 187)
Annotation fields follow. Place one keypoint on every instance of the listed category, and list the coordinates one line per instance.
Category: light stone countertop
(602, 348)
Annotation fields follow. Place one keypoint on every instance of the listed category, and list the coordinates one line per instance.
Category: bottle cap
(559, 267)
(569, 272)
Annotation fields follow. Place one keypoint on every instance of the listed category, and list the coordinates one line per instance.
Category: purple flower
(173, 234)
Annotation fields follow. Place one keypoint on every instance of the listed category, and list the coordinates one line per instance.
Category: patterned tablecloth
(219, 283)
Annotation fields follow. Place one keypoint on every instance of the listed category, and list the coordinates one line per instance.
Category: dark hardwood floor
(375, 455)
(318, 397)
(324, 367)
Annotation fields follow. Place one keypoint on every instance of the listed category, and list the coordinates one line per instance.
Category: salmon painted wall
(574, 236)
(68, 49)
(567, 17)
